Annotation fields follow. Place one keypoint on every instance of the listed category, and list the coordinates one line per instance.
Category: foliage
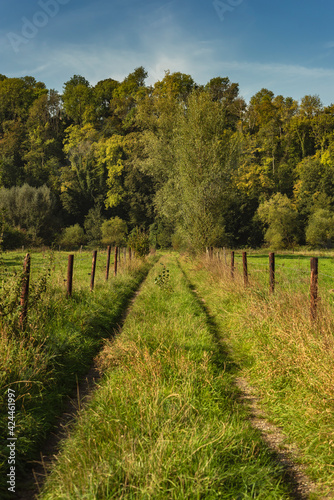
(320, 229)
(114, 232)
(72, 237)
(196, 157)
(281, 218)
(163, 279)
(30, 209)
(139, 241)
(93, 225)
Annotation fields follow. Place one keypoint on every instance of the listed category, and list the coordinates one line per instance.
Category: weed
(163, 279)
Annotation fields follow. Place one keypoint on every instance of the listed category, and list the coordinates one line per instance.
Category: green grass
(286, 358)
(44, 362)
(58, 260)
(166, 421)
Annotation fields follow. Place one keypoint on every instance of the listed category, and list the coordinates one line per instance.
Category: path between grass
(166, 421)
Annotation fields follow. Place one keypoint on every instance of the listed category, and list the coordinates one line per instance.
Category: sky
(284, 46)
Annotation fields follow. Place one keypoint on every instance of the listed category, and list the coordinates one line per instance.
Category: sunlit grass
(62, 335)
(165, 422)
(288, 358)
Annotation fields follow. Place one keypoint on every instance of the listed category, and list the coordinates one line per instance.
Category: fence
(314, 274)
(119, 254)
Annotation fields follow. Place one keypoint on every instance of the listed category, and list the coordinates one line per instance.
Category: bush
(281, 218)
(320, 230)
(73, 236)
(13, 238)
(139, 241)
(114, 232)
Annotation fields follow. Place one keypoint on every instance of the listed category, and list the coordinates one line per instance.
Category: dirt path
(273, 436)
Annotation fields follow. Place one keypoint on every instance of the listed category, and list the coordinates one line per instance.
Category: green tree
(72, 237)
(114, 232)
(93, 225)
(320, 229)
(30, 209)
(83, 180)
(78, 100)
(281, 219)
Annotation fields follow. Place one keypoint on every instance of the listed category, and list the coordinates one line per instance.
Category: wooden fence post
(70, 275)
(232, 264)
(92, 278)
(244, 265)
(130, 254)
(115, 263)
(108, 262)
(272, 272)
(314, 288)
(25, 291)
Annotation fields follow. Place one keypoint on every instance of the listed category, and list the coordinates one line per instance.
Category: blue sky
(285, 46)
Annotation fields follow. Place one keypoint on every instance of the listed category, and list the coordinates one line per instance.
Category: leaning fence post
(70, 275)
(272, 272)
(25, 291)
(92, 279)
(314, 288)
(232, 264)
(115, 263)
(108, 262)
(244, 265)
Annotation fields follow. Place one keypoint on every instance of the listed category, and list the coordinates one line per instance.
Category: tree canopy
(176, 160)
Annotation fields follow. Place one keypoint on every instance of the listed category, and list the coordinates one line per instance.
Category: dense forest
(190, 165)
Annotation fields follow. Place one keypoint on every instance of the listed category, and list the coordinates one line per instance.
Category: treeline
(188, 164)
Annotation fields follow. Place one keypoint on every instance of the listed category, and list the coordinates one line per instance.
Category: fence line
(314, 278)
(24, 297)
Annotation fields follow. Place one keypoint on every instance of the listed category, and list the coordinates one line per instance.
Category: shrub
(139, 241)
(114, 232)
(73, 236)
(320, 230)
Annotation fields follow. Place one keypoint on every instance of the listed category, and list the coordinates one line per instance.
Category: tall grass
(285, 356)
(43, 362)
(166, 422)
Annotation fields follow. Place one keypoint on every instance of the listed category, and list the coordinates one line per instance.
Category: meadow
(169, 419)
(44, 362)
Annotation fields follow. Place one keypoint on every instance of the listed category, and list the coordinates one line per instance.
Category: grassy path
(167, 421)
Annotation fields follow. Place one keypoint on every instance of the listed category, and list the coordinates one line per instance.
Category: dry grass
(286, 356)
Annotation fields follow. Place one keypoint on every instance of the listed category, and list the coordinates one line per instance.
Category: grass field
(165, 422)
(168, 419)
(43, 363)
(288, 359)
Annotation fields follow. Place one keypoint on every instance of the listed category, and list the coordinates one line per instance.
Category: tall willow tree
(197, 191)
